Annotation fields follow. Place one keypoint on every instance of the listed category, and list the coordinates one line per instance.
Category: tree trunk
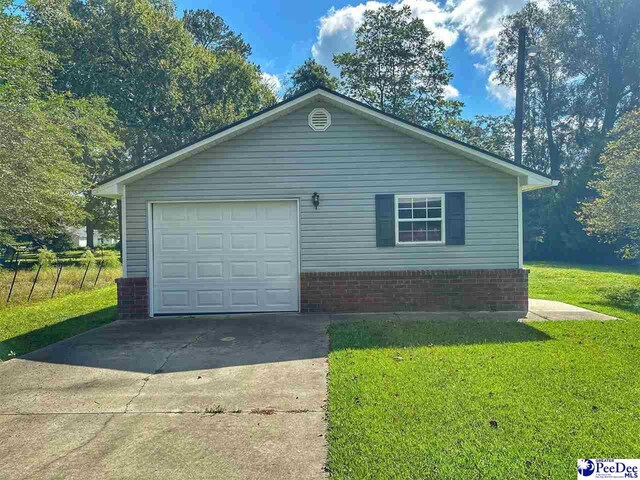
(89, 226)
(554, 154)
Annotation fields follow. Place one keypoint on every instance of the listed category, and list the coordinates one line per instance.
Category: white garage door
(225, 257)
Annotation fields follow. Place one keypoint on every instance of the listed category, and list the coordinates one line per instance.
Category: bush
(46, 258)
(110, 259)
(88, 258)
(625, 297)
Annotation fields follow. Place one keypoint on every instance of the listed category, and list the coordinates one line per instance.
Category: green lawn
(24, 328)
(488, 399)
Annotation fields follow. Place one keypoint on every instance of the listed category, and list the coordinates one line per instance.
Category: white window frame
(398, 219)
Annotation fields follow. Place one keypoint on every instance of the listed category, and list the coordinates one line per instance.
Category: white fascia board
(531, 180)
(537, 186)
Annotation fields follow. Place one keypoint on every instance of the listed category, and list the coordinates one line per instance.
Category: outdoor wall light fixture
(315, 199)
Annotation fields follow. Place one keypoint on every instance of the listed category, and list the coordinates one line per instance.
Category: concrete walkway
(540, 310)
(180, 398)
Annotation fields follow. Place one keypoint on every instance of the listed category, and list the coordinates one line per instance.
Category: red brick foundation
(423, 290)
(133, 297)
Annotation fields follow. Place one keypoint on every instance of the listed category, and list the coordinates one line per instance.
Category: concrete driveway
(216, 398)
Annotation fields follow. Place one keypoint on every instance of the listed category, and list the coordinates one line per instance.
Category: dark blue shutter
(454, 218)
(385, 220)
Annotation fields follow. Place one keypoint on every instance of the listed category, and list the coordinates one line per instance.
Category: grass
(70, 280)
(24, 328)
(585, 286)
(488, 399)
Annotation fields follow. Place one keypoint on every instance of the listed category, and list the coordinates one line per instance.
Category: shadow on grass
(55, 332)
(365, 334)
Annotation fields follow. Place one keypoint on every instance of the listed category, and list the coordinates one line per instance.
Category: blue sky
(284, 33)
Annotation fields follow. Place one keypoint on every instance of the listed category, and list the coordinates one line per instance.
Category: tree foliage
(494, 133)
(584, 77)
(210, 31)
(614, 214)
(44, 136)
(169, 80)
(166, 89)
(398, 67)
(309, 75)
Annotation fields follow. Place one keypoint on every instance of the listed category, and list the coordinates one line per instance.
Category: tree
(165, 89)
(583, 78)
(494, 133)
(602, 41)
(398, 67)
(210, 31)
(614, 215)
(43, 137)
(309, 75)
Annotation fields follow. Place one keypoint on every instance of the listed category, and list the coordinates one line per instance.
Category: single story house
(322, 204)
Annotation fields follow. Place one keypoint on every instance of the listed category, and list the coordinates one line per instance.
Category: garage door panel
(173, 242)
(244, 241)
(225, 257)
(174, 298)
(209, 242)
(279, 269)
(210, 298)
(174, 271)
(209, 270)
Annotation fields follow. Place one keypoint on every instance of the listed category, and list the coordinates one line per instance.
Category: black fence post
(15, 274)
(99, 270)
(55, 285)
(85, 273)
(34, 283)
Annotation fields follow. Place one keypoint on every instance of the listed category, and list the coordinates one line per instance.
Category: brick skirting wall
(133, 297)
(423, 290)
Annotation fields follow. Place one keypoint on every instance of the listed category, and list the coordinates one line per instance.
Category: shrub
(88, 258)
(110, 259)
(626, 297)
(46, 258)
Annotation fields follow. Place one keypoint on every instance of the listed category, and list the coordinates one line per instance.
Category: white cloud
(504, 95)
(272, 81)
(336, 33)
(451, 92)
(479, 21)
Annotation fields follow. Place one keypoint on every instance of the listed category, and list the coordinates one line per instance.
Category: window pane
(419, 213)
(434, 231)
(404, 236)
(435, 213)
(435, 202)
(419, 226)
(404, 203)
(420, 236)
(404, 226)
(404, 213)
(419, 202)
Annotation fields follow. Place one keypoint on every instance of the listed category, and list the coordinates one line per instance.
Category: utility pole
(519, 120)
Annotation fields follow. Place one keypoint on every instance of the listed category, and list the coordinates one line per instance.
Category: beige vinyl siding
(348, 164)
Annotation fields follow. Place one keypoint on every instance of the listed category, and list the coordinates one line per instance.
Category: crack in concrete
(73, 450)
(166, 412)
(159, 370)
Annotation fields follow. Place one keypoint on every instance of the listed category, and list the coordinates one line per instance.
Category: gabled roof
(529, 179)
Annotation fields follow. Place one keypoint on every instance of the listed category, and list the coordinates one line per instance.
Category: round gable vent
(319, 119)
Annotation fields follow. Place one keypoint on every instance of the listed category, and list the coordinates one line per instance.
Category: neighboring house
(79, 237)
(322, 204)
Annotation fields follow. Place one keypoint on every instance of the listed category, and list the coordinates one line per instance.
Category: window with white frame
(420, 218)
